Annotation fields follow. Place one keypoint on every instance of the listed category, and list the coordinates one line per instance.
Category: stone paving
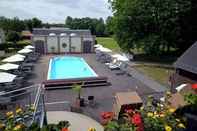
(104, 95)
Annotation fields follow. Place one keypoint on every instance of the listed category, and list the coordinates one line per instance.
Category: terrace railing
(24, 97)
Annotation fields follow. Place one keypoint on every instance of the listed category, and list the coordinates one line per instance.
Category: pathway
(78, 122)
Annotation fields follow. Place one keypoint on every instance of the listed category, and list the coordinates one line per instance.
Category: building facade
(62, 40)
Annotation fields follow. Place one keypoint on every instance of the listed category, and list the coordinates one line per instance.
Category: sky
(54, 11)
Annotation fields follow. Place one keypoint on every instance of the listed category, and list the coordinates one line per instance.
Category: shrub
(149, 118)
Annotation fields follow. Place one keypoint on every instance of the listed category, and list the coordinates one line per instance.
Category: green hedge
(15, 46)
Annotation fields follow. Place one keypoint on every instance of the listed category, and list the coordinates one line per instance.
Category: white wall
(87, 38)
(76, 42)
(52, 42)
(64, 39)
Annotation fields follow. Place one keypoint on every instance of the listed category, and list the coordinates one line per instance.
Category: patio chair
(115, 66)
(123, 69)
(91, 101)
(111, 63)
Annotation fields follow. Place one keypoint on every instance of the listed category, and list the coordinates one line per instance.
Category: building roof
(187, 60)
(58, 31)
(26, 33)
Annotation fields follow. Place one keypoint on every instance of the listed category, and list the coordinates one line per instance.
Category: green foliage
(77, 88)
(191, 99)
(96, 26)
(116, 126)
(19, 45)
(24, 42)
(12, 36)
(155, 25)
(109, 26)
(108, 42)
(18, 25)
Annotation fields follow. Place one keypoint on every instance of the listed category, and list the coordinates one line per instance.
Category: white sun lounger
(115, 66)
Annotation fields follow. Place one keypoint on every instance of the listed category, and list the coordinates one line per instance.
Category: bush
(12, 36)
(149, 118)
(17, 121)
(6, 46)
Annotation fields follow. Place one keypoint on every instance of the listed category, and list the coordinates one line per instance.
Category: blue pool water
(68, 67)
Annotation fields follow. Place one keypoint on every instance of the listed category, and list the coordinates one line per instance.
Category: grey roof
(58, 31)
(188, 61)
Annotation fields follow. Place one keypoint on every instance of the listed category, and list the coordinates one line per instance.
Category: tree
(36, 23)
(153, 25)
(100, 27)
(96, 26)
(12, 36)
(109, 26)
(68, 22)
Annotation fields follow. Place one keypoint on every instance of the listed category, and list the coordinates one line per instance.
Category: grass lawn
(159, 74)
(108, 42)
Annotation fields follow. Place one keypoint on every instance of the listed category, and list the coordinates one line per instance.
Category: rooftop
(186, 61)
(58, 31)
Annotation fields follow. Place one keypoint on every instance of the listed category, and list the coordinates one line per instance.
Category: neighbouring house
(2, 36)
(186, 67)
(26, 35)
(62, 40)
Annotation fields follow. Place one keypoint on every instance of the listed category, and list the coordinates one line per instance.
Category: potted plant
(77, 88)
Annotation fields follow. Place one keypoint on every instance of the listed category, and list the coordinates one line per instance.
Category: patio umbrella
(6, 77)
(19, 55)
(25, 51)
(8, 66)
(29, 47)
(13, 59)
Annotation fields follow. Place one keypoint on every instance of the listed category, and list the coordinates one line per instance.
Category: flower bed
(149, 118)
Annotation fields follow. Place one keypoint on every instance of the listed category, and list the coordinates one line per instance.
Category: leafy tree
(12, 36)
(96, 26)
(154, 25)
(109, 25)
(36, 23)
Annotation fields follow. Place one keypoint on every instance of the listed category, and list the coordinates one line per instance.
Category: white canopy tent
(25, 51)
(8, 66)
(14, 58)
(29, 47)
(6, 77)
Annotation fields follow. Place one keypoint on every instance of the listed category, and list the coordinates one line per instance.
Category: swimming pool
(69, 67)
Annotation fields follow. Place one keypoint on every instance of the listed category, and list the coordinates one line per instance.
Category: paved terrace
(104, 95)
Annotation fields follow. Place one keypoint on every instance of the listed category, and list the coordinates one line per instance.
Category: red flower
(64, 129)
(107, 115)
(136, 119)
(194, 86)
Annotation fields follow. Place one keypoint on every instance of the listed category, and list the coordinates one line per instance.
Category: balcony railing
(24, 97)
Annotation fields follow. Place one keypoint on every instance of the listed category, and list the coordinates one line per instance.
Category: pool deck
(104, 96)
